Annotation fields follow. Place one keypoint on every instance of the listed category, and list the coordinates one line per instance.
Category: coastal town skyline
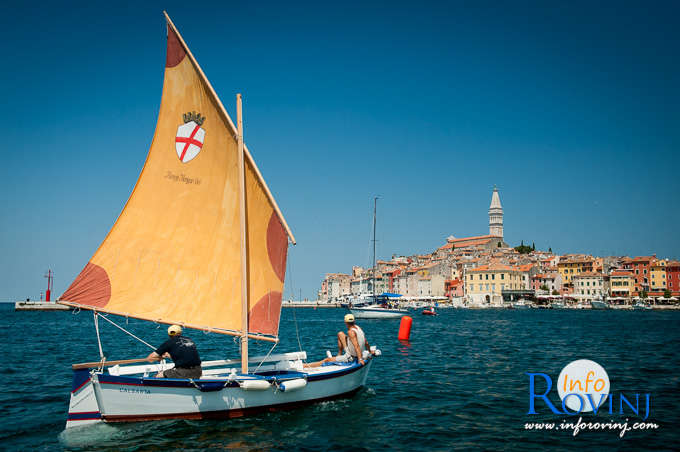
(572, 112)
(484, 270)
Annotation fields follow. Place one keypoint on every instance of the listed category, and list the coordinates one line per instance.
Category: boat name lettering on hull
(135, 391)
(182, 178)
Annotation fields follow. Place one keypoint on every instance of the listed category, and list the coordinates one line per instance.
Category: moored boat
(522, 304)
(641, 306)
(599, 304)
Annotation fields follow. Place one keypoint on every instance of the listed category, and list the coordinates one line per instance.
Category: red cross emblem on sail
(189, 141)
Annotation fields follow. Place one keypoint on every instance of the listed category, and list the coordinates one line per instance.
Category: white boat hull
(377, 313)
(595, 304)
(102, 397)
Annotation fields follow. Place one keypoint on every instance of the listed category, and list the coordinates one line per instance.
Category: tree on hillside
(523, 249)
(550, 249)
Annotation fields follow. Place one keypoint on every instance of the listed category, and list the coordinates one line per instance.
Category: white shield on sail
(189, 141)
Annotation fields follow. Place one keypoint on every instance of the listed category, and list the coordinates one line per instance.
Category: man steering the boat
(351, 346)
(182, 351)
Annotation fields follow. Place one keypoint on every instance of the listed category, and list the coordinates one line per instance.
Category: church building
(495, 237)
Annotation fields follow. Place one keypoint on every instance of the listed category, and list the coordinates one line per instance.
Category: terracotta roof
(621, 273)
(643, 258)
(465, 239)
(587, 274)
(492, 267)
(525, 267)
(473, 243)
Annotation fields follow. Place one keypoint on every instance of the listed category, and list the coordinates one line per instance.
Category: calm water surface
(459, 384)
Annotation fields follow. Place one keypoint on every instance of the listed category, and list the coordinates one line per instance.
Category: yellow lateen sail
(174, 253)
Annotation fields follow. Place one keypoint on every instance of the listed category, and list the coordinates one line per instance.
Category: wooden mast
(244, 237)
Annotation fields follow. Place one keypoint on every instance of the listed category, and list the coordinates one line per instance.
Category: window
(487, 277)
(487, 287)
(493, 276)
(493, 287)
(502, 275)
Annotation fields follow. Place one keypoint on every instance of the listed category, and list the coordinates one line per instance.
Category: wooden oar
(107, 363)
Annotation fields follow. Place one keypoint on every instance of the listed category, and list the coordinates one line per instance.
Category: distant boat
(522, 304)
(380, 306)
(558, 305)
(429, 311)
(641, 306)
(200, 243)
(599, 304)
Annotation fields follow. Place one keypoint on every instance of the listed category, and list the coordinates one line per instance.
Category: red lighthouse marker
(49, 277)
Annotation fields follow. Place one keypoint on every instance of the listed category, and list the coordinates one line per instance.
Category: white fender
(292, 385)
(254, 385)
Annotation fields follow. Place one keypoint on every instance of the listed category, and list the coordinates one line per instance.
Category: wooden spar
(208, 329)
(107, 363)
(233, 129)
(244, 238)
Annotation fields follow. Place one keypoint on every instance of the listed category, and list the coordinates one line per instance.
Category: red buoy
(405, 328)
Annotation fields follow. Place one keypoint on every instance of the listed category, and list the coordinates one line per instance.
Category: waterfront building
(657, 271)
(622, 283)
(528, 271)
(454, 288)
(571, 265)
(589, 286)
(486, 283)
(546, 283)
(673, 277)
(640, 267)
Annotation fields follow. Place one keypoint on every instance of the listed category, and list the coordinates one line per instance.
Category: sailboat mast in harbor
(375, 208)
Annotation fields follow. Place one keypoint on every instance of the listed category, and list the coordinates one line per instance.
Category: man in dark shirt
(182, 351)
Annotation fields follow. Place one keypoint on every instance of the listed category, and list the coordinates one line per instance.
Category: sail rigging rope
(292, 295)
(126, 331)
(99, 339)
(265, 358)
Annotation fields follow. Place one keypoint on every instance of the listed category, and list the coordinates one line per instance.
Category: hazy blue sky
(572, 109)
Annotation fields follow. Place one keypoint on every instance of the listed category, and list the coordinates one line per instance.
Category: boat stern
(83, 408)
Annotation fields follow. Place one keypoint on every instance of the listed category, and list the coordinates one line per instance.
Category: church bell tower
(496, 215)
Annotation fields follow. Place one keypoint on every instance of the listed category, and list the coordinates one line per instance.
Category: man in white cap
(351, 346)
(182, 351)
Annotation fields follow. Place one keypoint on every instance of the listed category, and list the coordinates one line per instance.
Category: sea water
(461, 382)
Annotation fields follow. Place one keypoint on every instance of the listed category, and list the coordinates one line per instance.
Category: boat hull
(599, 305)
(377, 313)
(109, 398)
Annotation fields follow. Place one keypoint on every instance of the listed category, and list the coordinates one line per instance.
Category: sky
(571, 108)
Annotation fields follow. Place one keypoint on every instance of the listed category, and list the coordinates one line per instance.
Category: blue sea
(460, 383)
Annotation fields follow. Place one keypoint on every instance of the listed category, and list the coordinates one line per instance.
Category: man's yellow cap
(174, 330)
(349, 318)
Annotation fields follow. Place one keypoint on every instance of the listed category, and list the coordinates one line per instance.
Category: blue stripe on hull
(210, 384)
(85, 416)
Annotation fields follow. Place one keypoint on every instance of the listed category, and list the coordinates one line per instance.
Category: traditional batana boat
(201, 243)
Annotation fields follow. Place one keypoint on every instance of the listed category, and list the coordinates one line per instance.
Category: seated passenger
(182, 351)
(351, 346)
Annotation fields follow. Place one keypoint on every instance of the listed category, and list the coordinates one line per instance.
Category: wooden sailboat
(201, 243)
